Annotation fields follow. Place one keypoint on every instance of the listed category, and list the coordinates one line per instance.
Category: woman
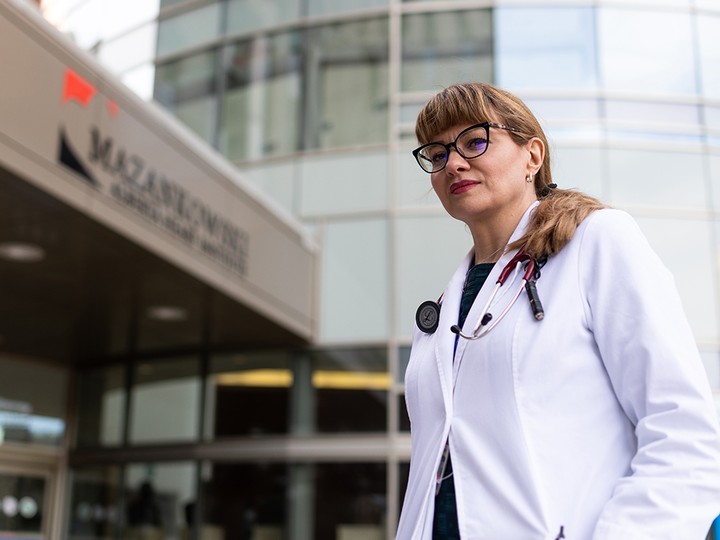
(592, 420)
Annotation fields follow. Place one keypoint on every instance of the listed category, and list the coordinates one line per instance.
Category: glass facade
(315, 103)
(32, 402)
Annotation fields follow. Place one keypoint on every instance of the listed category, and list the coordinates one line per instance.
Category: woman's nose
(456, 161)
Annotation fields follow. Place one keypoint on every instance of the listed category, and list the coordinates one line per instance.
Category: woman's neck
(491, 236)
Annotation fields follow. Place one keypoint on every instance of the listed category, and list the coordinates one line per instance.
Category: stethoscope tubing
(481, 328)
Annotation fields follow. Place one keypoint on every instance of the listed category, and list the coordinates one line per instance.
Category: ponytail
(554, 221)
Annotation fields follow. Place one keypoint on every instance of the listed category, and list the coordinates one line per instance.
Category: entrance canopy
(120, 232)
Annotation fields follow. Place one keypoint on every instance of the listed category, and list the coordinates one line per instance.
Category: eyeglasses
(471, 143)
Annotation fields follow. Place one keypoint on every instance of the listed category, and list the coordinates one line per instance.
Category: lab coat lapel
(504, 294)
(445, 339)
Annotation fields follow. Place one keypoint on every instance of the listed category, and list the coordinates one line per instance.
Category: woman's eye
(476, 145)
(438, 157)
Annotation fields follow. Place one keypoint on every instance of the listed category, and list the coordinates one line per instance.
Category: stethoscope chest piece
(428, 316)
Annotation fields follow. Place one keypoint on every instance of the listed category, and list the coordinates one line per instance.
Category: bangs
(454, 106)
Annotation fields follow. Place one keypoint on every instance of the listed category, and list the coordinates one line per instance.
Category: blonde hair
(560, 210)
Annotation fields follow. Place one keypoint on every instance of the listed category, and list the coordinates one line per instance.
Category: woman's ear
(536, 149)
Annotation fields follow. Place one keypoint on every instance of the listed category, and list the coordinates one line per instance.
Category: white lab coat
(599, 418)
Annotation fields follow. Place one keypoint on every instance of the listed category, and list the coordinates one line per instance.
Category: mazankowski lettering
(139, 186)
(165, 202)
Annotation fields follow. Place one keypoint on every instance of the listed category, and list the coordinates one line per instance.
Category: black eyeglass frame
(485, 125)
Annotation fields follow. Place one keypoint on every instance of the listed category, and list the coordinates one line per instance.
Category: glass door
(24, 505)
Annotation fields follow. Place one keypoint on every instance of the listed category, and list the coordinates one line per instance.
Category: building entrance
(26, 502)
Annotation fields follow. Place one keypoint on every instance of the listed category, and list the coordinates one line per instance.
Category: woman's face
(493, 184)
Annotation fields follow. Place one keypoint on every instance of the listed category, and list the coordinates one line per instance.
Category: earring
(529, 178)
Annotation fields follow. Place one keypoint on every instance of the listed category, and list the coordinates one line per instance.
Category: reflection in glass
(187, 87)
(32, 402)
(347, 93)
(248, 394)
(244, 501)
(189, 28)
(165, 401)
(554, 50)
(244, 15)
(101, 406)
(350, 500)
(323, 7)
(159, 500)
(439, 49)
(346, 381)
(322, 501)
(658, 60)
(93, 509)
(260, 105)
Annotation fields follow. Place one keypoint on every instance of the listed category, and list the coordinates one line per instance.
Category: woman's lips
(461, 186)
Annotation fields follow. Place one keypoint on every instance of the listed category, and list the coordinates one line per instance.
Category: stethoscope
(428, 314)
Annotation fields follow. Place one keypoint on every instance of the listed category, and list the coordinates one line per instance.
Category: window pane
(165, 401)
(189, 28)
(439, 49)
(187, 88)
(429, 250)
(658, 60)
(576, 110)
(244, 15)
(652, 112)
(361, 187)
(260, 105)
(412, 183)
(354, 285)
(101, 407)
(579, 168)
(156, 498)
(714, 161)
(257, 382)
(93, 507)
(278, 180)
(346, 66)
(345, 381)
(685, 246)
(323, 7)
(403, 417)
(554, 49)
(350, 500)
(322, 501)
(709, 40)
(656, 179)
(32, 402)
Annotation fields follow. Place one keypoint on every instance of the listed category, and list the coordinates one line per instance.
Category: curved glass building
(314, 102)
